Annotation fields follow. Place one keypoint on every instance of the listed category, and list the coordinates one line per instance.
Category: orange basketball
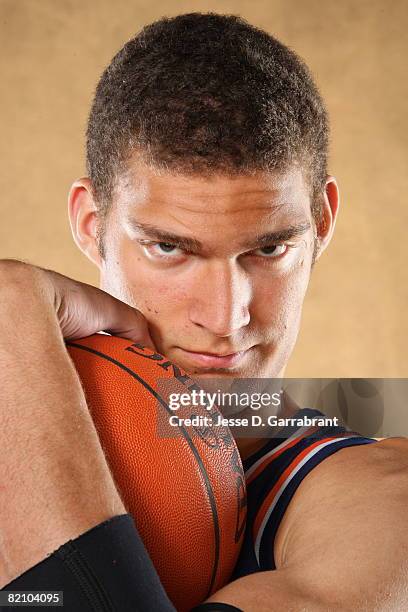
(184, 485)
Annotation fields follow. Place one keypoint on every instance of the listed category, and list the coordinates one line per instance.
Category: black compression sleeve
(216, 607)
(106, 569)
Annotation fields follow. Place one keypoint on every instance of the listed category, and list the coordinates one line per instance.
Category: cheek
(278, 300)
(160, 301)
(123, 273)
(279, 295)
(151, 291)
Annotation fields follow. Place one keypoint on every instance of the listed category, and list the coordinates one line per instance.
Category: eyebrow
(195, 246)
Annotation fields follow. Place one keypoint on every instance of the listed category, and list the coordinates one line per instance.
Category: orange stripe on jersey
(272, 455)
(271, 495)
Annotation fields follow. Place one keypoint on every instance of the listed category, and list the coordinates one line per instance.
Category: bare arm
(343, 543)
(54, 480)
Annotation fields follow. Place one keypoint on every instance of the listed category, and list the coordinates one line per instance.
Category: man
(206, 206)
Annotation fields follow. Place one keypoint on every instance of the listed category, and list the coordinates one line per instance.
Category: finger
(135, 329)
(120, 319)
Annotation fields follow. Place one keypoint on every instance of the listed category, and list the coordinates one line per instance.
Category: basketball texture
(183, 485)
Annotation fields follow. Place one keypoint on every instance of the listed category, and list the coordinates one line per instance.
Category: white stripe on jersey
(296, 434)
(285, 484)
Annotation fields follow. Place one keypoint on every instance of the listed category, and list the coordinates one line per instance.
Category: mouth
(213, 360)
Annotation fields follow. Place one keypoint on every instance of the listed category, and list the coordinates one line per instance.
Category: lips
(213, 360)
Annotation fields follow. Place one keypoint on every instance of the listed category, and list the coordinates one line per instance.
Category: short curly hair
(204, 93)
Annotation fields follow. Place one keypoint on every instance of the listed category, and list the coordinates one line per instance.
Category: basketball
(184, 485)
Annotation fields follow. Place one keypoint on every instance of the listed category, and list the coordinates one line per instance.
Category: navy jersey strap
(274, 473)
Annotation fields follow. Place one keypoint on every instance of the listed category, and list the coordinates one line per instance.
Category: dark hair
(206, 93)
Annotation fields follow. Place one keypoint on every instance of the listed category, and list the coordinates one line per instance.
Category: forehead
(210, 203)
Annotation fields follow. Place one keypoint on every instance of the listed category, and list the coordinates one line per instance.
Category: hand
(81, 309)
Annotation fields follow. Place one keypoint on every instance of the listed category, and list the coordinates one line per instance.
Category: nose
(222, 296)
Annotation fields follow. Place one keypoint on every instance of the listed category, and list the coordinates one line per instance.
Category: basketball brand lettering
(177, 373)
(207, 434)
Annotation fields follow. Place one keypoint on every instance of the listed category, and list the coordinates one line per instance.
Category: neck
(249, 446)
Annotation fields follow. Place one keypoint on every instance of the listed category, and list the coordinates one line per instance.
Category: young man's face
(219, 266)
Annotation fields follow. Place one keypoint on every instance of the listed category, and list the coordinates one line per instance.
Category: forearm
(274, 591)
(271, 591)
(55, 480)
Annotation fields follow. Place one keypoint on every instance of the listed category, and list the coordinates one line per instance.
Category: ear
(83, 218)
(330, 208)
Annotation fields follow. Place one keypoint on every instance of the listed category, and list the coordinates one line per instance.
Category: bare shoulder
(355, 473)
(350, 512)
(352, 471)
(381, 457)
(399, 446)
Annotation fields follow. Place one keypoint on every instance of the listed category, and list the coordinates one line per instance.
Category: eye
(271, 252)
(165, 247)
(162, 250)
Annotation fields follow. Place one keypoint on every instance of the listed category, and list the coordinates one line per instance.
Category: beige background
(52, 53)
